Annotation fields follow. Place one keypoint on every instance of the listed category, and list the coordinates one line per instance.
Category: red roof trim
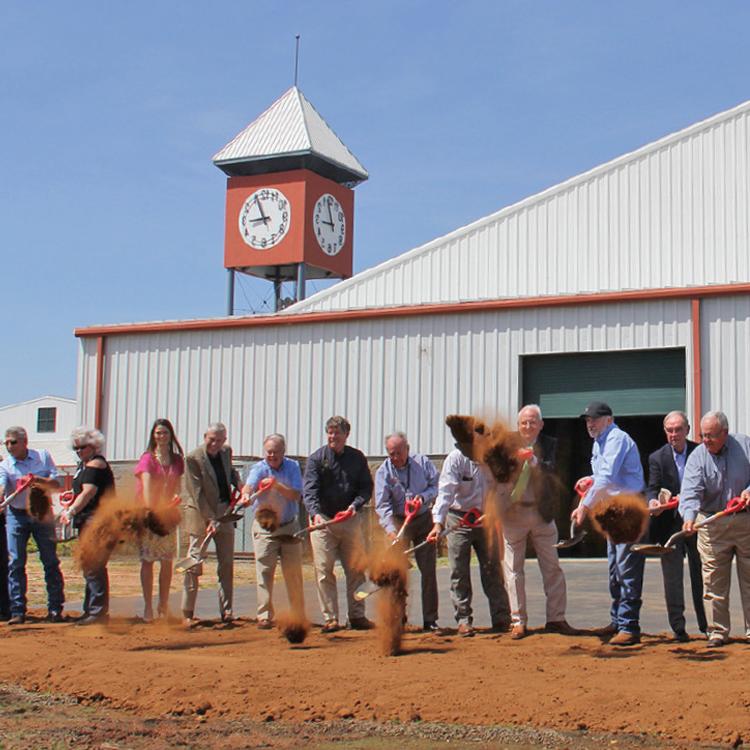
(596, 298)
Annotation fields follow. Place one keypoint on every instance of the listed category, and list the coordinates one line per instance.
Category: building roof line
(518, 206)
(456, 308)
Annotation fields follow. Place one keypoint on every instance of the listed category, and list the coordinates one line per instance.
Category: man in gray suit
(210, 476)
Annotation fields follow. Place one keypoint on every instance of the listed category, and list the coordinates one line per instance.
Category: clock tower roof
(290, 134)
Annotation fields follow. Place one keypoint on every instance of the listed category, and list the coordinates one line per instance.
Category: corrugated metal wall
(673, 214)
(383, 374)
(725, 353)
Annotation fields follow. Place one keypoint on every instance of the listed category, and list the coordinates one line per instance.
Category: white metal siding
(725, 357)
(672, 214)
(383, 374)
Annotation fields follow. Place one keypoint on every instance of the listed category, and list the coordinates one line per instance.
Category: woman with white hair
(92, 481)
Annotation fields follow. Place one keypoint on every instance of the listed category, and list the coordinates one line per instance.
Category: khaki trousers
(718, 543)
(224, 544)
(342, 541)
(519, 523)
(269, 549)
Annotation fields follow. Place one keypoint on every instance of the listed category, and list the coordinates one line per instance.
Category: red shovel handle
(67, 498)
(265, 484)
(342, 515)
(175, 501)
(24, 482)
(472, 518)
(525, 454)
(412, 506)
(583, 485)
(735, 505)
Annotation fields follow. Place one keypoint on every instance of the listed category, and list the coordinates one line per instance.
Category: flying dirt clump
(293, 627)
(389, 571)
(267, 518)
(38, 503)
(621, 518)
(117, 521)
(493, 445)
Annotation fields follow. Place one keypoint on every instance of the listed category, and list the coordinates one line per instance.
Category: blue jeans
(20, 526)
(4, 600)
(625, 586)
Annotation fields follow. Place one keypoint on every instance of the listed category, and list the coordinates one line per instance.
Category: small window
(46, 417)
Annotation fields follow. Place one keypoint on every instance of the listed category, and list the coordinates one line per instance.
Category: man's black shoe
(681, 636)
(432, 627)
(55, 615)
(361, 623)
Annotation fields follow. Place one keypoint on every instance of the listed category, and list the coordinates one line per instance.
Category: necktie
(523, 481)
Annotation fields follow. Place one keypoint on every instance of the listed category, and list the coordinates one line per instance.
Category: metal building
(630, 282)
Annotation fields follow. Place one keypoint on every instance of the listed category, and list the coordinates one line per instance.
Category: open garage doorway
(641, 386)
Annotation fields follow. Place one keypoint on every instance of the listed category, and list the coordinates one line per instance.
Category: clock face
(264, 218)
(329, 224)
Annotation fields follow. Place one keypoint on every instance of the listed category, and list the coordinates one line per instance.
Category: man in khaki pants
(715, 472)
(210, 476)
(337, 478)
(272, 545)
(528, 510)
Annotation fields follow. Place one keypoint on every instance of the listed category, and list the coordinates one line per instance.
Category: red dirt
(621, 518)
(684, 691)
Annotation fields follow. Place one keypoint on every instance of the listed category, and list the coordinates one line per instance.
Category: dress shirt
(392, 486)
(334, 481)
(616, 465)
(712, 480)
(39, 463)
(680, 459)
(461, 486)
(289, 474)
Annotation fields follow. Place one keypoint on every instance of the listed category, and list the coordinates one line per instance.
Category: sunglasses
(79, 448)
(11, 442)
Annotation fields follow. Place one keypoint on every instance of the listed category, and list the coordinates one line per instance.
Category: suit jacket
(662, 472)
(203, 503)
(543, 483)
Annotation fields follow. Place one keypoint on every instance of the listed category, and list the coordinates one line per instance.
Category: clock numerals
(264, 218)
(330, 224)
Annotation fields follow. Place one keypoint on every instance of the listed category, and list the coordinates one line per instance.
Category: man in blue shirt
(20, 526)
(270, 546)
(403, 475)
(616, 466)
(717, 471)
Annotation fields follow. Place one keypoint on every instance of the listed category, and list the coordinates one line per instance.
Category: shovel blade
(656, 550)
(187, 563)
(231, 518)
(565, 543)
(364, 591)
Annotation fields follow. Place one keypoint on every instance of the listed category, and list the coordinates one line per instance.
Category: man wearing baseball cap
(616, 467)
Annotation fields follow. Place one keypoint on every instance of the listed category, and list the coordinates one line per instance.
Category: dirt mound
(621, 518)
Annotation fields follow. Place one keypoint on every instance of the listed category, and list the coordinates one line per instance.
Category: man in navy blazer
(665, 471)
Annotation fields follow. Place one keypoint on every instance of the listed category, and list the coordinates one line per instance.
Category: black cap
(597, 409)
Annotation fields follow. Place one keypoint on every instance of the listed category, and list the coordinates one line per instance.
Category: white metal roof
(290, 126)
(674, 213)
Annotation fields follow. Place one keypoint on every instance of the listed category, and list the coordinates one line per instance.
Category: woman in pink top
(158, 476)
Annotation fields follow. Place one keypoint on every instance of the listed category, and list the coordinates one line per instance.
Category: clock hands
(265, 219)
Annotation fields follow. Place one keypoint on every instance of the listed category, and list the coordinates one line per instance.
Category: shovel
(232, 515)
(21, 485)
(735, 505)
(671, 505)
(190, 562)
(472, 519)
(342, 515)
(576, 534)
(411, 508)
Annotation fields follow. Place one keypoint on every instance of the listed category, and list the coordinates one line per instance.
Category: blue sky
(112, 211)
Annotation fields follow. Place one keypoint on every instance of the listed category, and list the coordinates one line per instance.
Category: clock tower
(290, 198)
